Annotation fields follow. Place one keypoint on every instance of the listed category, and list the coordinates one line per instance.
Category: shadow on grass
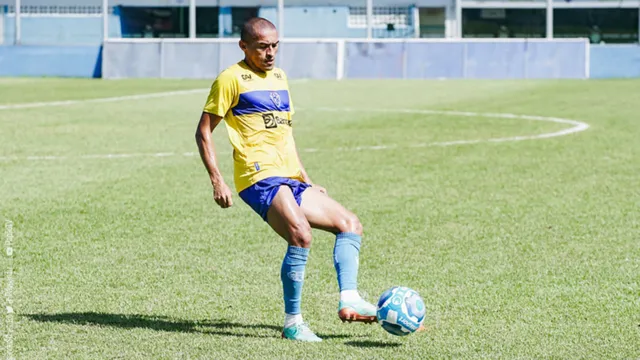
(372, 344)
(163, 323)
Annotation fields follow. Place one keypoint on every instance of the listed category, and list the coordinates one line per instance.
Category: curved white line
(578, 126)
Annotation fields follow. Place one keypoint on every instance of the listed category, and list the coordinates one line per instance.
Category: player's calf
(286, 218)
(346, 261)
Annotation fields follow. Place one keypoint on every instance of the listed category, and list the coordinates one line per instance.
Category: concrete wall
(57, 61)
(398, 60)
(615, 61)
(606, 61)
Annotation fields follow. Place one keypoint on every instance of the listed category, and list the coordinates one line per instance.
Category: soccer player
(253, 99)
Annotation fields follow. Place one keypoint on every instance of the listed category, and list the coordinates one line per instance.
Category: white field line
(577, 126)
(99, 100)
(32, 105)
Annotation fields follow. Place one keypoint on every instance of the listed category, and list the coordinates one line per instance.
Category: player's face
(261, 52)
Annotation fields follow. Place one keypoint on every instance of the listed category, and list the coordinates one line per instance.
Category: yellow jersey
(257, 110)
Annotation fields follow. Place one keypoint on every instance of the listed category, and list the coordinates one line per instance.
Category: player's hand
(222, 195)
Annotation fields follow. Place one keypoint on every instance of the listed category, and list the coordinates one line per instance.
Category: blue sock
(345, 260)
(292, 275)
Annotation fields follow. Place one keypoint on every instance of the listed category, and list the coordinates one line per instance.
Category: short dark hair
(252, 26)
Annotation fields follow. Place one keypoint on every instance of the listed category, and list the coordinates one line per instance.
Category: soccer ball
(400, 311)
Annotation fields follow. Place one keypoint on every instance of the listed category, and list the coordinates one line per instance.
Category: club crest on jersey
(275, 97)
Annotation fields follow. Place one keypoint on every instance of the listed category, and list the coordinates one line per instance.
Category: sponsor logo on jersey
(271, 121)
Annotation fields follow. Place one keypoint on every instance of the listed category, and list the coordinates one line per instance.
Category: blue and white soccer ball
(400, 311)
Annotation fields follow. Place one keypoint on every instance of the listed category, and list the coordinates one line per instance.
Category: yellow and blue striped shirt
(257, 110)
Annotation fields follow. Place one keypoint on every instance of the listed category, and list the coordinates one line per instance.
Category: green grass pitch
(520, 249)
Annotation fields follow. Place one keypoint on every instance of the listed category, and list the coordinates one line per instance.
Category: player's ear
(243, 45)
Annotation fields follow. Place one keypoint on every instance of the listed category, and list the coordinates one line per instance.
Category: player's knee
(300, 234)
(350, 223)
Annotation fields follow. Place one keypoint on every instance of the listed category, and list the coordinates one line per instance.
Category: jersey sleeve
(223, 95)
(291, 108)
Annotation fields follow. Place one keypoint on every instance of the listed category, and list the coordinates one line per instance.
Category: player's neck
(254, 68)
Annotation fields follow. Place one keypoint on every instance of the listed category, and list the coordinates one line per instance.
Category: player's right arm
(222, 97)
(221, 192)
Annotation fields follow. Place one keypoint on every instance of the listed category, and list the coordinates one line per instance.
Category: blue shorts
(260, 195)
